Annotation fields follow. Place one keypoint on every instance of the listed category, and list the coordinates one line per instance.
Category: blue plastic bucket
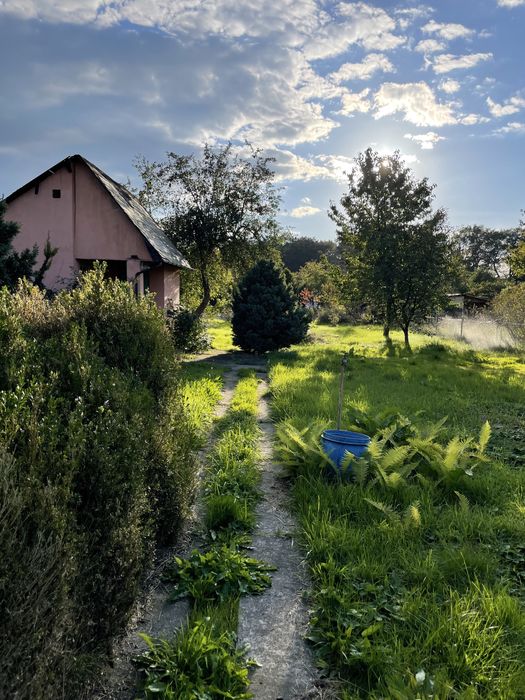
(336, 443)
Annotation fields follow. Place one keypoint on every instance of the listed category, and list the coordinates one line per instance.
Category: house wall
(164, 282)
(40, 216)
(102, 230)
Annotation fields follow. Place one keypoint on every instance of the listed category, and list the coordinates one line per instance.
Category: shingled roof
(160, 246)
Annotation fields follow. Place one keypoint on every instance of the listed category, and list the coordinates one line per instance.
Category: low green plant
(216, 575)
(227, 515)
(299, 451)
(199, 663)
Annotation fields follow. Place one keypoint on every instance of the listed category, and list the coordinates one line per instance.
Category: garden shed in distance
(88, 217)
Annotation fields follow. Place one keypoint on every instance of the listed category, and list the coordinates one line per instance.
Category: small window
(57, 194)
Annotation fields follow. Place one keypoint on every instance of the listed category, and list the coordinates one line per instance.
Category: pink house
(88, 216)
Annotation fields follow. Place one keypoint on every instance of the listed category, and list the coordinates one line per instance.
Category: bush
(509, 309)
(188, 331)
(95, 464)
(266, 314)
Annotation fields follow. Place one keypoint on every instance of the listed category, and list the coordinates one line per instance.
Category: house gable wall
(102, 230)
(41, 216)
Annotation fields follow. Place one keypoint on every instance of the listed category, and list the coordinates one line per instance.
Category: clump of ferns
(389, 461)
(423, 457)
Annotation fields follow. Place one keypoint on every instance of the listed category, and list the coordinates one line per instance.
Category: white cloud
(447, 62)
(426, 141)
(450, 86)
(471, 119)
(448, 31)
(338, 166)
(408, 15)
(354, 23)
(300, 212)
(511, 3)
(511, 106)
(511, 128)
(429, 46)
(290, 166)
(373, 63)
(415, 101)
(355, 102)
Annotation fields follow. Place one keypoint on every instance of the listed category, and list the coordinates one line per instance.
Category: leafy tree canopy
(395, 245)
(298, 251)
(483, 248)
(219, 204)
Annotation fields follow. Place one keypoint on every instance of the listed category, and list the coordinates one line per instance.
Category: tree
(323, 279)
(484, 248)
(218, 204)
(15, 266)
(266, 314)
(509, 309)
(395, 246)
(296, 252)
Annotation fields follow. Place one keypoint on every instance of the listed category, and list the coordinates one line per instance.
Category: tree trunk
(405, 333)
(206, 294)
(388, 320)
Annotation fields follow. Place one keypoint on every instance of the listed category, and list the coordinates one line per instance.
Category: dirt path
(275, 623)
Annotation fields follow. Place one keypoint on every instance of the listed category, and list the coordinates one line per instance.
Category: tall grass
(429, 606)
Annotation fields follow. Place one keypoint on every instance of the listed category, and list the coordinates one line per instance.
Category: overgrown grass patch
(416, 589)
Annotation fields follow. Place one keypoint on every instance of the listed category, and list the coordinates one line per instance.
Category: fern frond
(413, 514)
(464, 503)
(360, 470)
(387, 510)
(484, 436)
(395, 456)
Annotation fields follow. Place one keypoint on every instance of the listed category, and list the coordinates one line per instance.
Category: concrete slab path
(274, 624)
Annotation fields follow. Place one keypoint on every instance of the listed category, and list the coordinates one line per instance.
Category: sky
(311, 82)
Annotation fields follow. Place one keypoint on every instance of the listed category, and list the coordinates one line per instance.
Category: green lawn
(423, 599)
(221, 334)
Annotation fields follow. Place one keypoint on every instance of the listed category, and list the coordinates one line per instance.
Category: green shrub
(266, 313)
(95, 464)
(188, 331)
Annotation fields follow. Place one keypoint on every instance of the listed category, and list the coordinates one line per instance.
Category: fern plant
(300, 450)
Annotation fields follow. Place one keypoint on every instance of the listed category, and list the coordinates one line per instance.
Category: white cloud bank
(511, 3)
(511, 106)
(445, 63)
(416, 101)
(301, 212)
(426, 141)
(448, 31)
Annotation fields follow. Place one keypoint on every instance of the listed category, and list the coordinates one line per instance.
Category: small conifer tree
(266, 313)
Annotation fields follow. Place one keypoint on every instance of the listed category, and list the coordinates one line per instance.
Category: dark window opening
(57, 194)
(146, 281)
(116, 269)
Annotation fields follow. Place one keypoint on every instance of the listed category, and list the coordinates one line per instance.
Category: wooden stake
(344, 363)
